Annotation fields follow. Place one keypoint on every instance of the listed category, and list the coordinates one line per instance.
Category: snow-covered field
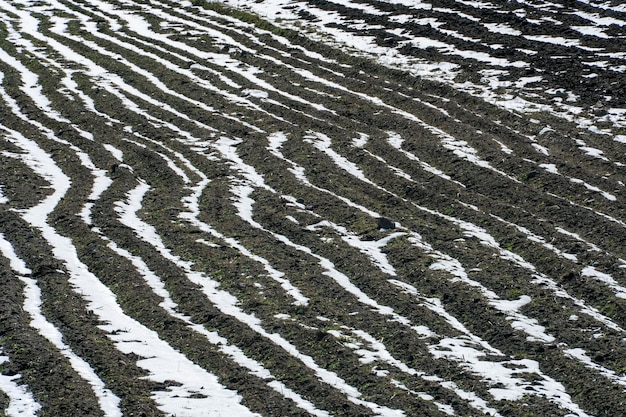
(327, 208)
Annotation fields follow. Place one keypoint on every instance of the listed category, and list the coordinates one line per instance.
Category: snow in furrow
(521, 322)
(161, 361)
(452, 266)
(101, 180)
(397, 171)
(212, 19)
(471, 230)
(595, 212)
(505, 375)
(373, 350)
(538, 239)
(227, 303)
(138, 24)
(322, 143)
(459, 147)
(21, 399)
(434, 305)
(110, 82)
(275, 142)
(498, 373)
(395, 140)
(551, 168)
(330, 23)
(372, 249)
(255, 368)
(244, 205)
(591, 246)
(581, 356)
(59, 28)
(113, 83)
(592, 272)
(285, 13)
(450, 348)
(191, 203)
(109, 402)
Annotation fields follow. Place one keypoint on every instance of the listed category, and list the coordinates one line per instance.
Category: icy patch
(588, 150)
(591, 31)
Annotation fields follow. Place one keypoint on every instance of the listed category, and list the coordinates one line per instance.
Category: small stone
(385, 223)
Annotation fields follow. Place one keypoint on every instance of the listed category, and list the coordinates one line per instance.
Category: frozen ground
(327, 208)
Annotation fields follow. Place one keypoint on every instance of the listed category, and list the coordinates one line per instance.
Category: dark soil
(171, 136)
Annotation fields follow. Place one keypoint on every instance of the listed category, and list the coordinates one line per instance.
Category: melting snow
(592, 272)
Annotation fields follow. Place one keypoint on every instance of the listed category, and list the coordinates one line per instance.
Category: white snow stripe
(21, 400)
(471, 230)
(591, 271)
(255, 368)
(3, 198)
(376, 351)
(396, 141)
(227, 304)
(109, 402)
(162, 362)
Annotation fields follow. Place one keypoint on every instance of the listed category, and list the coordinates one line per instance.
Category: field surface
(312, 208)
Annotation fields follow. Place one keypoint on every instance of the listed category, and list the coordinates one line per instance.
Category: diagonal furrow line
(160, 359)
(40, 162)
(227, 304)
(191, 203)
(518, 320)
(232, 351)
(249, 220)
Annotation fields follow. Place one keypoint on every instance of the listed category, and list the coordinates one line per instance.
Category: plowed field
(314, 208)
